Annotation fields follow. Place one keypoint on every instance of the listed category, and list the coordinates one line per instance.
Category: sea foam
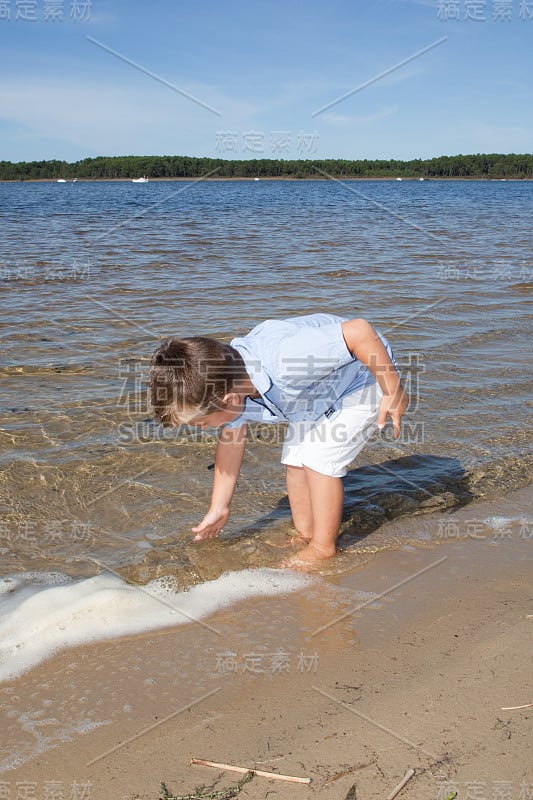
(42, 613)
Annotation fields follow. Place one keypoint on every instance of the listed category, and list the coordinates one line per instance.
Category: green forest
(112, 167)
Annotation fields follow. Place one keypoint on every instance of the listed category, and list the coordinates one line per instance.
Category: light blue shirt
(301, 367)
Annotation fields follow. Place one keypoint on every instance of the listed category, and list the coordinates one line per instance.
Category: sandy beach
(309, 684)
(363, 177)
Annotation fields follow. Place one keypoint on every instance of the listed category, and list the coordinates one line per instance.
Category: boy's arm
(228, 459)
(363, 341)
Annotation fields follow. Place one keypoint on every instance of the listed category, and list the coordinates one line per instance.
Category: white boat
(61, 180)
(256, 179)
(140, 180)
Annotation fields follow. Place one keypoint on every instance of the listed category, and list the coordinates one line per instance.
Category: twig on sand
(261, 773)
(515, 708)
(222, 794)
(397, 789)
(348, 771)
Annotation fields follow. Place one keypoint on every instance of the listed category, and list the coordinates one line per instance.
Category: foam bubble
(32, 723)
(43, 613)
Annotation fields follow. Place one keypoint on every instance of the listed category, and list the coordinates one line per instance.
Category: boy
(330, 378)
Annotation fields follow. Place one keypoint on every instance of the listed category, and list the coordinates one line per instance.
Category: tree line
(112, 167)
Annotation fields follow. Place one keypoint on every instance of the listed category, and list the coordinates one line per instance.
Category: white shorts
(330, 445)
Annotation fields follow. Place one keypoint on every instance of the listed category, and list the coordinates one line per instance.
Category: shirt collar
(260, 379)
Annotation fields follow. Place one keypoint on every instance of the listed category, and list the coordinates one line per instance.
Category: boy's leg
(327, 499)
(300, 501)
(318, 501)
(329, 445)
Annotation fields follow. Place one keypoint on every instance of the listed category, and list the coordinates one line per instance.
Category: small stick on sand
(259, 772)
(397, 789)
(515, 708)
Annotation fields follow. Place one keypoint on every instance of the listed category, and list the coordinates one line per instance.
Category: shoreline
(405, 662)
(275, 178)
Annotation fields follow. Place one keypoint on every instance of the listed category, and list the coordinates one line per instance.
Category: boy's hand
(394, 406)
(212, 524)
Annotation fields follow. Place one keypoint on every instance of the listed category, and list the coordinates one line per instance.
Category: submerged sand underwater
(91, 283)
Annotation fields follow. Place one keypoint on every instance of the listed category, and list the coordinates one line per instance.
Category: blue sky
(266, 67)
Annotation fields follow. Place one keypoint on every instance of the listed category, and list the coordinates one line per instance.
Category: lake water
(94, 275)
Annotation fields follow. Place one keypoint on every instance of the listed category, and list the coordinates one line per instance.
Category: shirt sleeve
(237, 423)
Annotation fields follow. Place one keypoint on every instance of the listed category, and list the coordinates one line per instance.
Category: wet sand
(312, 684)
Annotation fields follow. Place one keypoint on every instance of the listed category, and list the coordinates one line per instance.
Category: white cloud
(98, 118)
(480, 137)
(366, 119)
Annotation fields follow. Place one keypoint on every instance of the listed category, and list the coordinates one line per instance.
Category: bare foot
(308, 559)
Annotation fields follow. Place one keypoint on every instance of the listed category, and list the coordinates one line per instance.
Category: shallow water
(94, 275)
